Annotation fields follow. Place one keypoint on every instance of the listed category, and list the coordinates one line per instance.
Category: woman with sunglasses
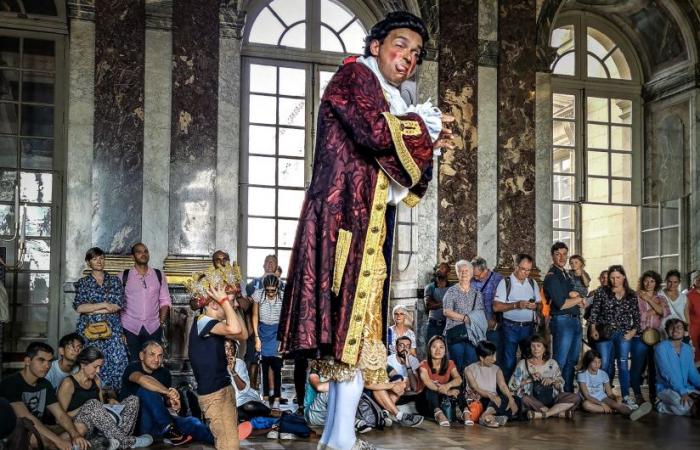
(266, 318)
(399, 329)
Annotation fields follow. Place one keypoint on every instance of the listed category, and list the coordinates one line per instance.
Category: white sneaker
(387, 418)
(113, 444)
(287, 436)
(630, 403)
(274, 434)
(145, 440)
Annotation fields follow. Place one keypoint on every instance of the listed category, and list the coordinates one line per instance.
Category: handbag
(98, 331)
(544, 394)
(651, 336)
(458, 333)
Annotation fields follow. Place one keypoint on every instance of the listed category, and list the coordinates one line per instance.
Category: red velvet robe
(358, 144)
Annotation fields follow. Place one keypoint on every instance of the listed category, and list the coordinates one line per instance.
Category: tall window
(596, 153)
(291, 50)
(661, 236)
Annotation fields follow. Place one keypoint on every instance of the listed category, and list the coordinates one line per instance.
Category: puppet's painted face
(397, 56)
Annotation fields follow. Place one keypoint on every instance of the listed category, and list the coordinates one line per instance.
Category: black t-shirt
(36, 398)
(208, 356)
(129, 387)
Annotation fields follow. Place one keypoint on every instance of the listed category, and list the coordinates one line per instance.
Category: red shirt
(436, 377)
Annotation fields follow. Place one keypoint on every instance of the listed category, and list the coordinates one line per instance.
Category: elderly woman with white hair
(399, 329)
(466, 323)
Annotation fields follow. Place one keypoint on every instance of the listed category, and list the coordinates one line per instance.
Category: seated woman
(248, 401)
(540, 369)
(485, 379)
(597, 395)
(80, 395)
(441, 380)
(399, 329)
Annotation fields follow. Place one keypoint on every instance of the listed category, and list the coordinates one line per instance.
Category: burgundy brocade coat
(354, 143)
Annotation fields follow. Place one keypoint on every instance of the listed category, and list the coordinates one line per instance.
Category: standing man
(372, 151)
(485, 280)
(517, 297)
(565, 314)
(434, 292)
(146, 302)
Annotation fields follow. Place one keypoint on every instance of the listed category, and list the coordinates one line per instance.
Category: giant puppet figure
(372, 151)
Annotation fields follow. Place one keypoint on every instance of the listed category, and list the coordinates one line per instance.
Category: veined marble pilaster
(195, 75)
(694, 201)
(457, 182)
(543, 173)
(487, 236)
(156, 145)
(117, 171)
(516, 129)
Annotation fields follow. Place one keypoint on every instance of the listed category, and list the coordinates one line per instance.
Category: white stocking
(348, 393)
(330, 414)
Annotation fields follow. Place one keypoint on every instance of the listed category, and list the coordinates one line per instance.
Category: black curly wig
(394, 20)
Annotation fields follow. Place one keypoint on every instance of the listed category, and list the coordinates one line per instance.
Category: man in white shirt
(518, 298)
(68, 348)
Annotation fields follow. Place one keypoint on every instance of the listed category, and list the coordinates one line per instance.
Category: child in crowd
(68, 348)
(266, 318)
(596, 392)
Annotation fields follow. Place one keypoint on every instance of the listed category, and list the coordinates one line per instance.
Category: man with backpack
(517, 297)
(146, 302)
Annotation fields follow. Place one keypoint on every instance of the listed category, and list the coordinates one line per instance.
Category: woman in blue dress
(98, 300)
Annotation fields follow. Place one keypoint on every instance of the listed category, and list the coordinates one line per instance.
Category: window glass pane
(563, 187)
(38, 54)
(291, 142)
(9, 51)
(295, 37)
(255, 260)
(566, 237)
(621, 138)
(9, 85)
(35, 187)
(650, 264)
(37, 87)
(291, 172)
(292, 112)
(8, 118)
(38, 254)
(44, 7)
(261, 232)
(650, 217)
(39, 221)
(37, 120)
(618, 60)
(597, 109)
(598, 190)
(335, 15)
(261, 201)
(290, 202)
(597, 163)
(8, 151)
(563, 38)
(263, 79)
(290, 11)
(650, 243)
(7, 185)
(330, 42)
(621, 165)
(283, 257)
(563, 215)
(566, 65)
(37, 153)
(599, 44)
(669, 263)
(324, 77)
(597, 136)
(563, 160)
(31, 324)
(354, 38)
(621, 191)
(7, 220)
(563, 133)
(39, 288)
(262, 109)
(261, 170)
(669, 241)
(261, 140)
(266, 29)
(621, 110)
(292, 81)
(669, 213)
(595, 68)
(563, 106)
(286, 230)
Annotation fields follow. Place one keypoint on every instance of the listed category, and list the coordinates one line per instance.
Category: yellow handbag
(98, 331)
(650, 336)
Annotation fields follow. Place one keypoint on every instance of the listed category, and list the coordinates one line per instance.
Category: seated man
(316, 398)
(68, 348)
(248, 401)
(387, 395)
(677, 379)
(405, 365)
(30, 395)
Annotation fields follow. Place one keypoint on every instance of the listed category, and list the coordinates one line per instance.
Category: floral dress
(88, 291)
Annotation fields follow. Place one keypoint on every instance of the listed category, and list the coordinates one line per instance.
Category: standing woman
(676, 299)
(614, 322)
(652, 310)
(266, 318)
(400, 329)
(98, 300)
(692, 309)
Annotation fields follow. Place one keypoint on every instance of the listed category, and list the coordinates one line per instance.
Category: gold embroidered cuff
(398, 129)
(411, 200)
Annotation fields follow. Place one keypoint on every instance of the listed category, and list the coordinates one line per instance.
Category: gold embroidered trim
(372, 250)
(342, 250)
(398, 129)
(411, 200)
(332, 370)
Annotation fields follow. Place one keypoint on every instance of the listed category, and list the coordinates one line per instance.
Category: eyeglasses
(524, 269)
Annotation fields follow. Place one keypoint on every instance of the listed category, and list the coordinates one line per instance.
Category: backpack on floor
(369, 411)
(189, 403)
(296, 425)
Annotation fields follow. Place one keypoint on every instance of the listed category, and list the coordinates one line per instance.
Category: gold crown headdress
(226, 277)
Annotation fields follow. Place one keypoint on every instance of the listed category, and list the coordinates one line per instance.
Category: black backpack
(189, 403)
(369, 411)
(159, 275)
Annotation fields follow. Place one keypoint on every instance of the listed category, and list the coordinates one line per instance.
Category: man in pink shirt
(146, 302)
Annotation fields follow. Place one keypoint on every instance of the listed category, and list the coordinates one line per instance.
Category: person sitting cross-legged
(441, 378)
(68, 348)
(248, 401)
(677, 380)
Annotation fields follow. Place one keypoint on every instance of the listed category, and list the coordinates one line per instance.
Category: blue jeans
(154, 417)
(616, 349)
(642, 358)
(435, 328)
(514, 336)
(462, 353)
(566, 343)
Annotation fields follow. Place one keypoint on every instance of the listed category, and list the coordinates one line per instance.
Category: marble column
(693, 262)
(516, 129)
(543, 174)
(117, 171)
(457, 87)
(195, 74)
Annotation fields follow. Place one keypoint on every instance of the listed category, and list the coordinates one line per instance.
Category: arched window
(597, 142)
(291, 50)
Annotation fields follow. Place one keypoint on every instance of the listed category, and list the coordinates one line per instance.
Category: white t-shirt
(393, 361)
(594, 382)
(246, 394)
(56, 375)
(676, 306)
(518, 291)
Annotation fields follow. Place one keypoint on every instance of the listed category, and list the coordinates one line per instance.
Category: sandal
(489, 423)
(441, 419)
(532, 415)
(568, 414)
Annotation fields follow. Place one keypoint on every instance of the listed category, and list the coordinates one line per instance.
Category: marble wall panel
(487, 165)
(117, 172)
(195, 74)
(694, 200)
(457, 86)
(543, 172)
(516, 129)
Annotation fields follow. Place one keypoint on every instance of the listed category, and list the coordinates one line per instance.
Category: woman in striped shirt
(266, 318)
